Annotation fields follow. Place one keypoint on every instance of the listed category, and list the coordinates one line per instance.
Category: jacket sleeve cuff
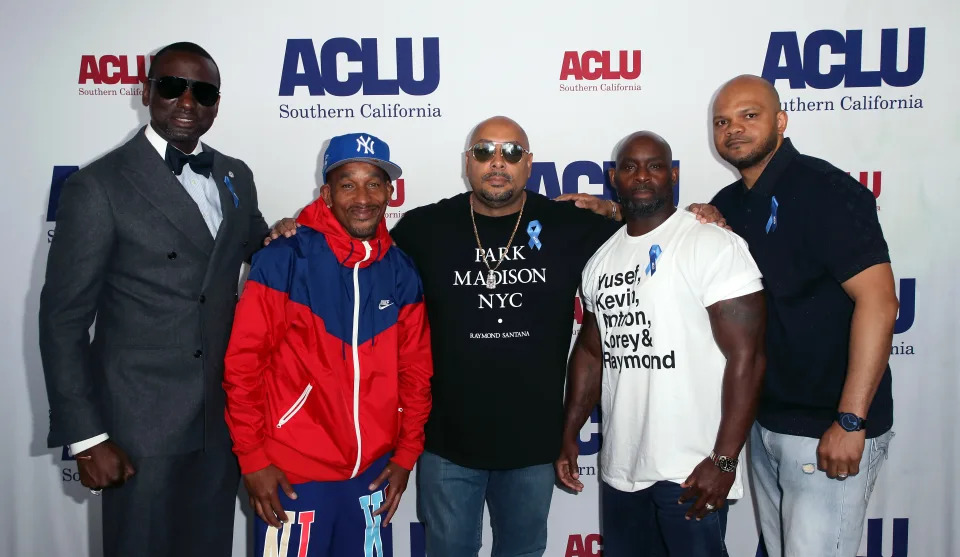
(253, 461)
(405, 458)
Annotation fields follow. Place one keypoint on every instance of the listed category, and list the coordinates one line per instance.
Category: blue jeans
(650, 523)
(450, 504)
(802, 511)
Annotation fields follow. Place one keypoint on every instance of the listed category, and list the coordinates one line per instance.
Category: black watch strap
(851, 422)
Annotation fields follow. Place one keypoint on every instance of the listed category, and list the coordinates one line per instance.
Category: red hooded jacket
(328, 366)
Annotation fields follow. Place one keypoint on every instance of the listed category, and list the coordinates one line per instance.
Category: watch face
(849, 422)
(726, 464)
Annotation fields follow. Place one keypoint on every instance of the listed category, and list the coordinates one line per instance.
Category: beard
(496, 197)
(751, 159)
(363, 231)
(638, 209)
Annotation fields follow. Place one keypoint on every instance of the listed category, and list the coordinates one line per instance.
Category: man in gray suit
(149, 243)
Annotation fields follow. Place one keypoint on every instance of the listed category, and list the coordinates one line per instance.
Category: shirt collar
(774, 170)
(160, 144)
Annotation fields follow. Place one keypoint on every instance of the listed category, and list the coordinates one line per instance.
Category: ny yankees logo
(365, 143)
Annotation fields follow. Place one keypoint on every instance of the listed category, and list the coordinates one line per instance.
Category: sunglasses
(485, 150)
(171, 87)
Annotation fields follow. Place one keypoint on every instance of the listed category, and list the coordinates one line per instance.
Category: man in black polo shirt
(823, 425)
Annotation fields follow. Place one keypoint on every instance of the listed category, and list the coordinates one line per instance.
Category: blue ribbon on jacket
(236, 200)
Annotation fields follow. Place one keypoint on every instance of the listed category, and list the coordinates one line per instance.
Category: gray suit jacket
(132, 252)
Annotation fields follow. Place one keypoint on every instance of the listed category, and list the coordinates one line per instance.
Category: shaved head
(748, 124)
(628, 142)
(502, 123)
(753, 86)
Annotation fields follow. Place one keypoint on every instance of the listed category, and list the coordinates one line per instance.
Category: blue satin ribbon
(533, 229)
(772, 221)
(655, 252)
(236, 200)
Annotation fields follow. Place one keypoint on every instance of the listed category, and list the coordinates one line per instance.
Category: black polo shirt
(825, 232)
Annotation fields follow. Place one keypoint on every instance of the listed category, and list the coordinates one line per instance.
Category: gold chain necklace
(491, 281)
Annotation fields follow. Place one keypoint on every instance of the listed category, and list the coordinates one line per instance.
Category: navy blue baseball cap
(359, 147)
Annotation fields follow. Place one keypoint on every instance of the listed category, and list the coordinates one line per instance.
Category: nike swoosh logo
(384, 304)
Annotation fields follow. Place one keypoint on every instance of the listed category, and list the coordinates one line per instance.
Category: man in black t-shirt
(823, 425)
(500, 268)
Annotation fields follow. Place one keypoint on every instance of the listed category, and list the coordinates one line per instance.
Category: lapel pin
(230, 173)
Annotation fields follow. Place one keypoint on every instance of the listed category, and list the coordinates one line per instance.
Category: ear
(611, 173)
(781, 122)
(325, 195)
(145, 96)
(675, 175)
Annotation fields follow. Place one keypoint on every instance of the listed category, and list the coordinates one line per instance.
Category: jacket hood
(348, 249)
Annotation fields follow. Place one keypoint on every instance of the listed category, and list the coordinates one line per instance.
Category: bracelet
(613, 211)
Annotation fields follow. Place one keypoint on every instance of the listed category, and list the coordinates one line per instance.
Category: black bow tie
(201, 163)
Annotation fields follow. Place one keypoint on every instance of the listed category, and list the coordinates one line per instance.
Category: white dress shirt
(205, 194)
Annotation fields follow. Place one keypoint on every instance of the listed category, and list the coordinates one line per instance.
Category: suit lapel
(154, 181)
(231, 209)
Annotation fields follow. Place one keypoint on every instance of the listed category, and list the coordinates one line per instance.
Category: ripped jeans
(802, 511)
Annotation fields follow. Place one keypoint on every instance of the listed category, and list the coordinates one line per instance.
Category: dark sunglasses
(171, 87)
(485, 150)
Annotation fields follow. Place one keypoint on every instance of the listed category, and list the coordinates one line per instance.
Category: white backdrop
(475, 60)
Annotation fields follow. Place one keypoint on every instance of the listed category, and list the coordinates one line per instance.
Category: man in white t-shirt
(672, 337)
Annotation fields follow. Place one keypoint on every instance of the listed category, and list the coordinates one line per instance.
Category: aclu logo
(399, 196)
(901, 528)
(603, 65)
(343, 67)
(68, 474)
(905, 316)
(590, 445)
(873, 181)
(111, 69)
(60, 175)
(589, 545)
(807, 68)
(321, 72)
(554, 183)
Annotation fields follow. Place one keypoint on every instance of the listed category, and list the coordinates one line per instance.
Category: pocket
(879, 451)
(292, 411)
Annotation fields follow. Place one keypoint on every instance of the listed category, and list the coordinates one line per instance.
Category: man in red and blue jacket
(328, 368)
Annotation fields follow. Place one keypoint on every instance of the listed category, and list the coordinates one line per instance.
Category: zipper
(296, 407)
(356, 354)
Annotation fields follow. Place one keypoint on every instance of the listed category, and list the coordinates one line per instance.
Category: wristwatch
(851, 422)
(724, 463)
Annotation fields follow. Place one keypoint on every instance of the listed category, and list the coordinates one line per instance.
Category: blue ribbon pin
(533, 229)
(772, 221)
(236, 200)
(655, 252)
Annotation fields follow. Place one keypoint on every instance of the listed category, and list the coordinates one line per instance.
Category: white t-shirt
(662, 369)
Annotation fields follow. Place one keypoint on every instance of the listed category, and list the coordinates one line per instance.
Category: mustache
(636, 189)
(497, 174)
(364, 206)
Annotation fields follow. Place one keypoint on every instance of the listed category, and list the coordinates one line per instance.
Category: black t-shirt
(826, 231)
(499, 354)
